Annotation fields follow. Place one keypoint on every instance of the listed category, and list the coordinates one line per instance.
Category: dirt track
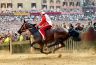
(56, 61)
(41, 59)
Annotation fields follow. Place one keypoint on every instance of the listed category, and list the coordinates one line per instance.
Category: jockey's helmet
(42, 12)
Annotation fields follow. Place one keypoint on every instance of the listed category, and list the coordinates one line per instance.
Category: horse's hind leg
(32, 44)
(57, 42)
(54, 44)
(60, 41)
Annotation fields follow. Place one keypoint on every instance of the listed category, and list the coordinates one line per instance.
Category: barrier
(21, 13)
(24, 47)
(16, 47)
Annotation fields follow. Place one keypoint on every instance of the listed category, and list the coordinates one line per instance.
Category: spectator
(78, 27)
(71, 27)
(65, 27)
(7, 40)
(15, 37)
(94, 25)
(1, 39)
(21, 38)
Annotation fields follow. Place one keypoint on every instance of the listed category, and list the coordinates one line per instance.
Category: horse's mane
(31, 25)
(34, 30)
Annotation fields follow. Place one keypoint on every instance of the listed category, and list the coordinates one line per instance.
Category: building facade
(54, 5)
(72, 6)
(16, 5)
(64, 5)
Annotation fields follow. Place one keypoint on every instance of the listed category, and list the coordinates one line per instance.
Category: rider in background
(71, 27)
(44, 24)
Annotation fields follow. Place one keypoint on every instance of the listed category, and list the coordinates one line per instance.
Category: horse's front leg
(32, 44)
(38, 44)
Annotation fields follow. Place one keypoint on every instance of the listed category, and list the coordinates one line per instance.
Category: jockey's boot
(43, 40)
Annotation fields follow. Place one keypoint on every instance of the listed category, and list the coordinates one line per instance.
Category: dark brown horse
(57, 36)
(89, 35)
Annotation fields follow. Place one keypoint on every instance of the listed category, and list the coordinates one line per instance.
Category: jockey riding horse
(58, 36)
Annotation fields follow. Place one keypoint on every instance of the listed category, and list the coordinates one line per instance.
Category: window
(71, 9)
(33, 5)
(51, 7)
(64, 10)
(71, 4)
(44, 6)
(51, 1)
(58, 1)
(9, 5)
(57, 7)
(20, 5)
(65, 3)
(3, 5)
(44, 1)
(78, 4)
(93, 3)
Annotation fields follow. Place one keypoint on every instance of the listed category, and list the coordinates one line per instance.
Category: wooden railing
(24, 46)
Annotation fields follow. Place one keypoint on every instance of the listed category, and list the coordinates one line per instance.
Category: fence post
(31, 41)
(10, 47)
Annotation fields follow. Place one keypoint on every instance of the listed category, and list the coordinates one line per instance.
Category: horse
(56, 36)
(89, 35)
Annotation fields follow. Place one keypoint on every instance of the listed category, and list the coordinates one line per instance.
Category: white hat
(42, 12)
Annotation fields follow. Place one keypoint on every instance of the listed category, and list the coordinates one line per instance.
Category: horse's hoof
(59, 56)
(62, 45)
(31, 45)
(45, 51)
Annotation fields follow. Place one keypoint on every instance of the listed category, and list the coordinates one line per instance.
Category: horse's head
(26, 27)
(23, 28)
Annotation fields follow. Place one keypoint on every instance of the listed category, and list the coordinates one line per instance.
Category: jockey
(44, 24)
